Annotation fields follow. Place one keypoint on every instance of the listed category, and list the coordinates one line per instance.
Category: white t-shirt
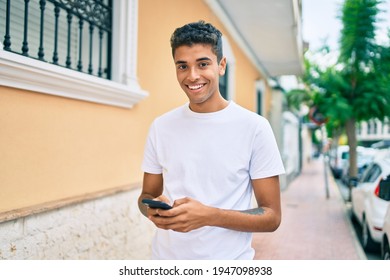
(210, 157)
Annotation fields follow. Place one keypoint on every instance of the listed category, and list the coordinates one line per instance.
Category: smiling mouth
(195, 87)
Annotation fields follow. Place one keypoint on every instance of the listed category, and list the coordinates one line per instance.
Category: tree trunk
(350, 127)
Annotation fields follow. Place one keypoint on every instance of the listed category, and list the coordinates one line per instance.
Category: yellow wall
(53, 148)
(246, 76)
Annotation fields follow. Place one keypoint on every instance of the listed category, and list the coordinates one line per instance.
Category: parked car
(369, 206)
(336, 159)
(364, 158)
(385, 245)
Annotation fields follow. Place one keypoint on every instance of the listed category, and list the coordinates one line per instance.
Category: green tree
(323, 89)
(363, 68)
(357, 87)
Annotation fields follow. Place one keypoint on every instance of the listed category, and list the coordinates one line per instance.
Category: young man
(205, 159)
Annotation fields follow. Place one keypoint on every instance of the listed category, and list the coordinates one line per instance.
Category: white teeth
(195, 87)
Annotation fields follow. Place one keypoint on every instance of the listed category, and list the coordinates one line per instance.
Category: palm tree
(363, 68)
(323, 90)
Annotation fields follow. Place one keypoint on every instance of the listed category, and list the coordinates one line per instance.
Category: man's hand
(187, 214)
(154, 211)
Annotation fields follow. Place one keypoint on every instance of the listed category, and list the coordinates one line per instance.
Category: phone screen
(156, 204)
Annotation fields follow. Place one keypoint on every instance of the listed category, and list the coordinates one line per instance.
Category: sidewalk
(313, 226)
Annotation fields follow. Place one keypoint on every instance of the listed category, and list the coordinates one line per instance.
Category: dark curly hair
(198, 33)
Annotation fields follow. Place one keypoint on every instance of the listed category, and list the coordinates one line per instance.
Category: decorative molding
(51, 205)
(30, 74)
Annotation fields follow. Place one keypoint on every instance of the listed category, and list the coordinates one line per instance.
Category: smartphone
(156, 204)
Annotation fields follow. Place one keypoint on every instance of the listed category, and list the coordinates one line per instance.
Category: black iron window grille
(75, 34)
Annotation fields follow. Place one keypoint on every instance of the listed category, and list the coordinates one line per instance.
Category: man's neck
(206, 107)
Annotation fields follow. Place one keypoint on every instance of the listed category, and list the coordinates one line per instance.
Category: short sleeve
(150, 163)
(265, 159)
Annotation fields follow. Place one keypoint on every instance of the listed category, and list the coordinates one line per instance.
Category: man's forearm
(252, 220)
(254, 211)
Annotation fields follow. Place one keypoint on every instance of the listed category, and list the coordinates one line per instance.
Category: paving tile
(313, 226)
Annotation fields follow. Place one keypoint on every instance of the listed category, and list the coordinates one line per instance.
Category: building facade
(72, 133)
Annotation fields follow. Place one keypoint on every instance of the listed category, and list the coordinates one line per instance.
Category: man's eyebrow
(203, 58)
(180, 62)
(199, 59)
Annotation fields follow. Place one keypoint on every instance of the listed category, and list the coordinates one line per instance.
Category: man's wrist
(215, 216)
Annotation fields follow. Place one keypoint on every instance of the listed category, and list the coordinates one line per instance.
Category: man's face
(198, 72)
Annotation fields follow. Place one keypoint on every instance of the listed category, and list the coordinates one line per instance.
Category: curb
(346, 208)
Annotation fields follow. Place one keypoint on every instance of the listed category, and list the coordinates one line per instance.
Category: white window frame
(231, 62)
(18, 71)
(260, 87)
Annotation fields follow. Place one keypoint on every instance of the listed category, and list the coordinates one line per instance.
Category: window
(259, 95)
(384, 188)
(260, 89)
(223, 83)
(371, 174)
(66, 48)
(75, 35)
(226, 82)
(345, 155)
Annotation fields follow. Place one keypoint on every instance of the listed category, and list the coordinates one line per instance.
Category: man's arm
(268, 214)
(152, 187)
(189, 214)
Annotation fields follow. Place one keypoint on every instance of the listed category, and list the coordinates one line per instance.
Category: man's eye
(203, 64)
(182, 67)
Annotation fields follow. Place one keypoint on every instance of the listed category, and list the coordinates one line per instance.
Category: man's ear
(222, 66)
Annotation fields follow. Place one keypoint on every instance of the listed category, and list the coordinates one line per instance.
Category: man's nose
(193, 74)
